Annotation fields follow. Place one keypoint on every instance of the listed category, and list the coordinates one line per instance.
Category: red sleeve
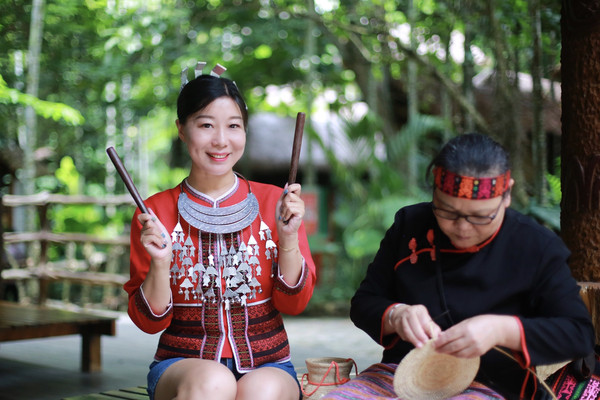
(139, 263)
(294, 299)
(390, 340)
(522, 357)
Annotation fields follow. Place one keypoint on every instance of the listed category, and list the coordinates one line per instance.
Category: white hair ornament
(216, 71)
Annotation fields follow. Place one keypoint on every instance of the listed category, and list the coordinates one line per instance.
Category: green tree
(119, 63)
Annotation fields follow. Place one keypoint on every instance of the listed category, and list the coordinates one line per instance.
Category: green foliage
(549, 214)
(371, 190)
(554, 185)
(364, 229)
(110, 75)
(76, 219)
(91, 219)
(67, 175)
(555, 189)
(46, 109)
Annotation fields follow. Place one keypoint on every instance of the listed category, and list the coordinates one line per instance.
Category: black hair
(198, 93)
(472, 154)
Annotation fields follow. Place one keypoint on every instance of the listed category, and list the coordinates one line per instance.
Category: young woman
(216, 262)
(472, 274)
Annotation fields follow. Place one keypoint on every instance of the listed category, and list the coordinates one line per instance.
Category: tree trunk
(28, 136)
(413, 101)
(468, 64)
(580, 152)
(506, 126)
(357, 59)
(538, 136)
(445, 99)
(310, 49)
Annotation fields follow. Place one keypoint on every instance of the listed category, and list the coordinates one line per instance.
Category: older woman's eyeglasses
(473, 219)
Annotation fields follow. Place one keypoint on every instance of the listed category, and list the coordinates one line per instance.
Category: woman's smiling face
(215, 137)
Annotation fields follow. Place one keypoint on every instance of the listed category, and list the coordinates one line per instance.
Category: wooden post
(590, 293)
(91, 354)
(580, 142)
(2, 256)
(44, 282)
(580, 145)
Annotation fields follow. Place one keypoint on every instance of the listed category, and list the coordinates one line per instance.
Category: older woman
(472, 274)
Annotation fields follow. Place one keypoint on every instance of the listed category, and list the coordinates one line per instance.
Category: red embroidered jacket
(211, 316)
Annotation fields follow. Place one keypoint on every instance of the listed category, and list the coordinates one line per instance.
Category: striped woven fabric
(377, 383)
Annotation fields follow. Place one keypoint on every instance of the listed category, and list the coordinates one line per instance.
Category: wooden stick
(114, 157)
(297, 146)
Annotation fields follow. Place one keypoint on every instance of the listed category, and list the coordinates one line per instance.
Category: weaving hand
(414, 324)
(475, 336)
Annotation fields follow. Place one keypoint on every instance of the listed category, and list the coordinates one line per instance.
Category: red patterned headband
(468, 187)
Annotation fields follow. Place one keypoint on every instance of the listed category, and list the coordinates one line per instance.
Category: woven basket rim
(425, 374)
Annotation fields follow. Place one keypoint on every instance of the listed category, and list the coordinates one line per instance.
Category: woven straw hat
(425, 374)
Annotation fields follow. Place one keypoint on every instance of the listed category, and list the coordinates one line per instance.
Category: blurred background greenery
(384, 84)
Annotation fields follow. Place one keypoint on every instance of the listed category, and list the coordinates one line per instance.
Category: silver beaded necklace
(222, 219)
(239, 266)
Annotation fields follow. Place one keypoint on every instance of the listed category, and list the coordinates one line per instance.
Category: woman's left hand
(475, 336)
(290, 210)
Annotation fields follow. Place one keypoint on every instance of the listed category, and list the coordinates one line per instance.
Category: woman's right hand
(156, 241)
(414, 324)
(155, 238)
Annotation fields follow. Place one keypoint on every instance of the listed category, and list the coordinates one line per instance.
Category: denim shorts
(157, 368)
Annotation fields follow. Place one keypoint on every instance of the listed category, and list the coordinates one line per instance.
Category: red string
(338, 381)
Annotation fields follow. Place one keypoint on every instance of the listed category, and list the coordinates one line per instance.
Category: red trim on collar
(473, 249)
(414, 253)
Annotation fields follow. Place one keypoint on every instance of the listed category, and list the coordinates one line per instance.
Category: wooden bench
(19, 322)
(132, 393)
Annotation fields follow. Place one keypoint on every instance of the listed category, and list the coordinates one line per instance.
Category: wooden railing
(88, 267)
